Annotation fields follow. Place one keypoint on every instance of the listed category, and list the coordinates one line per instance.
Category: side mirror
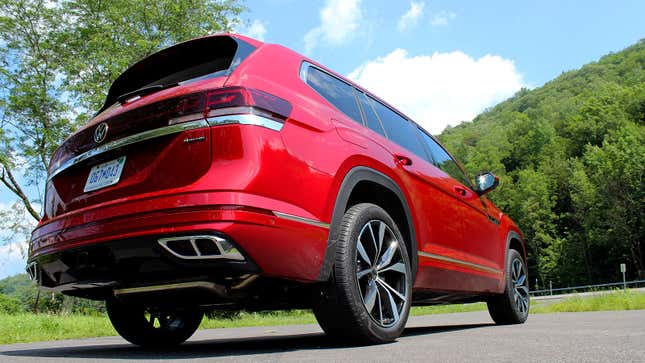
(486, 182)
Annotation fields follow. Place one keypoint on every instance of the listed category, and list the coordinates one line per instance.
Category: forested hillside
(570, 156)
(19, 294)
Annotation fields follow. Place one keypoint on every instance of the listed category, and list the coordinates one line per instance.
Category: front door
(476, 251)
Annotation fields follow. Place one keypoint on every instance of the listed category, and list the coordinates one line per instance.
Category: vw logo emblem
(100, 133)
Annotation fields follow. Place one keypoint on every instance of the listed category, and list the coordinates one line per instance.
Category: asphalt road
(571, 337)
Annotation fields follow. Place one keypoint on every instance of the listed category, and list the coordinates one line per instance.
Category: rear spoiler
(177, 58)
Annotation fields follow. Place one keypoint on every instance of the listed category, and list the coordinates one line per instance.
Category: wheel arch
(515, 241)
(360, 185)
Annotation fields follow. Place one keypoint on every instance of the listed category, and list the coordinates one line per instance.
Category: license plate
(104, 175)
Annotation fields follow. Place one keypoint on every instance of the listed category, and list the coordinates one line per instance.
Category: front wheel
(153, 327)
(368, 297)
(512, 307)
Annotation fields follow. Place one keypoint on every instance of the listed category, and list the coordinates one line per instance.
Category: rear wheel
(368, 299)
(512, 307)
(153, 327)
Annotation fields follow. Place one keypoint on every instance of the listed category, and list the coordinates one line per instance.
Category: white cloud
(256, 30)
(439, 89)
(443, 17)
(12, 261)
(411, 17)
(15, 227)
(339, 20)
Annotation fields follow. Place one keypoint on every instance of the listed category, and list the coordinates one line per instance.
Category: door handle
(460, 190)
(402, 160)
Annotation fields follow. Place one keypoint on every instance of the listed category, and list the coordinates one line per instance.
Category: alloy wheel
(381, 273)
(520, 286)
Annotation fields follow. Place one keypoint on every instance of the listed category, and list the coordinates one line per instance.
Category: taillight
(278, 106)
(246, 97)
(187, 108)
(219, 106)
(227, 97)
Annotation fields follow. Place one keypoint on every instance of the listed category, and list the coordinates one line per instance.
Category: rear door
(438, 218)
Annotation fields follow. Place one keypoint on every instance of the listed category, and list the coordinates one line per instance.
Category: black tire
(151, 327)
(342, 307)
(512, 307)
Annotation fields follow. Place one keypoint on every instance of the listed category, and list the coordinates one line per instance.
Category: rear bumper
(277, 240)
(95, 270)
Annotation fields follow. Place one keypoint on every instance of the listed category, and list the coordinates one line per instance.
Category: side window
(337, 92)
(443, 161)
(370, 115)
(398, 129)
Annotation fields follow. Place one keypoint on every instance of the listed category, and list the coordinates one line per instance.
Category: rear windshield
(185, 62)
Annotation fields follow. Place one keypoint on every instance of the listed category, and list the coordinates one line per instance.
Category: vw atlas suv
(224, 173)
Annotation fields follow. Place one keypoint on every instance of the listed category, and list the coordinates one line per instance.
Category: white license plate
(104, 175)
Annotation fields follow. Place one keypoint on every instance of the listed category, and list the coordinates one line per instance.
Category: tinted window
(398, 129)
(370, 115)
(337, 92)
(443, 161)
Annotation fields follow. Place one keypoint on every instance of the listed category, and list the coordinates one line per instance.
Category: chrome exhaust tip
(32, 271)
(201, 247)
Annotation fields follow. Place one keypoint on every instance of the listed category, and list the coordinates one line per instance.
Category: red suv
(225, 173)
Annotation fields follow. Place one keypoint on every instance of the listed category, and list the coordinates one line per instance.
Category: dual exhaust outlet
(202, 247)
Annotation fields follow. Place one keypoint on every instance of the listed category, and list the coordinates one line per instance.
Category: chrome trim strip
(459, 262)
(304, 220)
(246, 119)
(304, 68)
(128, 140)
(179, 285)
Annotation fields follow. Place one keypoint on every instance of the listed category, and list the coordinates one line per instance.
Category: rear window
(185, 62)
(370, 116)
(337, 92)
(399, 130)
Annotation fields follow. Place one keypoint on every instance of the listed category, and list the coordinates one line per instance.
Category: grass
(292, 317)
(617, 300)
(25, 327)
(447, 309)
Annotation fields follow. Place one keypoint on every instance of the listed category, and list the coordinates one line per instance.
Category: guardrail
(561, 290)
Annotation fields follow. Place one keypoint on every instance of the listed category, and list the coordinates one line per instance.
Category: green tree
(104, 37)
(57, 60)
(612, 203)
(9, 305)
(34, 117)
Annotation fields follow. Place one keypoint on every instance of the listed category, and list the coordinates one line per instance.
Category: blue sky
(543, 38)
(450, 59)
(440, 62)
